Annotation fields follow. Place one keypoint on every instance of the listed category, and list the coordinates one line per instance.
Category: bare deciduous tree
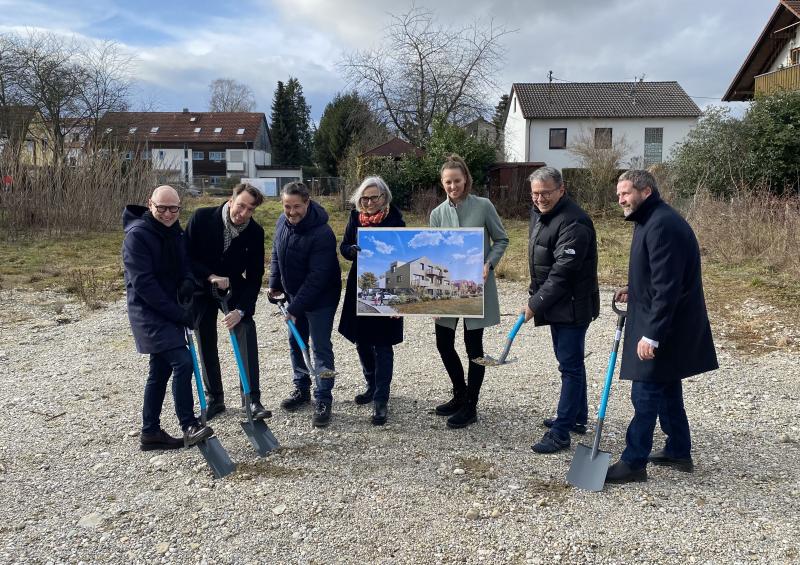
(71, 84)
(228, 95)
(424, 69)
(601, 156)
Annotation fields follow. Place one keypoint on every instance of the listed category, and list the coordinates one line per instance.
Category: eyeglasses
(368, 199)
(544, 194)
(172, 209)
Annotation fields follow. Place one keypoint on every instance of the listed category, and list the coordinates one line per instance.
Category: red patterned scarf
(372, 220)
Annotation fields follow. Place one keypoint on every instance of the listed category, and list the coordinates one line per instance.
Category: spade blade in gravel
(217, 458)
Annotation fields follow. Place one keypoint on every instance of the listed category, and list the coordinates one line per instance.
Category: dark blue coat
(373, 330)
(153, 310)
(304, 263)
(665, 298)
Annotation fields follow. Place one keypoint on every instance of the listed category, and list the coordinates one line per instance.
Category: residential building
(774, 60)
(467, 288)
(198, 148)
(421, 276)
(395, 148)
(543, 120)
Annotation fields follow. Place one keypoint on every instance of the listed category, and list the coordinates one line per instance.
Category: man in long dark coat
(156, 273)
(667, 334)
(226, 247)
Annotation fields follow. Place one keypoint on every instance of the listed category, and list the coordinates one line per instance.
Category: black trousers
(473, 341)
(245, 332)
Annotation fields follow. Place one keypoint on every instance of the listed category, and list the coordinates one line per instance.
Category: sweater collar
(645, 209)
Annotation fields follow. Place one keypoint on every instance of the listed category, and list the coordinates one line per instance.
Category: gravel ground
(76, 488)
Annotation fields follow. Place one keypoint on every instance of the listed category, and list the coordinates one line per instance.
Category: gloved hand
(187, 320)
(186, 292)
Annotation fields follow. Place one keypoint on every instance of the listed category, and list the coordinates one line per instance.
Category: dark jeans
(473, 341)
(318, 324)
(207, 339)
(569, 344)
(178, 363)
(377, 362)
(665, 402)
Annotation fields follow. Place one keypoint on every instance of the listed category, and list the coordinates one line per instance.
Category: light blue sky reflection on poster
(460, 250)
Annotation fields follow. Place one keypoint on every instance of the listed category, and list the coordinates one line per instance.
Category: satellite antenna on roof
(633, 87)
(550, 87)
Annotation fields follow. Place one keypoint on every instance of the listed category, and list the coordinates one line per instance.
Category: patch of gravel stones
(75, 487)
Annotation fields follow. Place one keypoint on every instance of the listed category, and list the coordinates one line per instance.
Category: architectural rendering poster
(420, 272)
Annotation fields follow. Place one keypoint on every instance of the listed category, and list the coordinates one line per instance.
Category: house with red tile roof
(198, 148)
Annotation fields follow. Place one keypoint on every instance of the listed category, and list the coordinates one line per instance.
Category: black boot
(258, 411)
(380, 413)
(453, 405)
(196, 433)
(159, 440)
(468, 414)
(216, 405)
(296, 399)
(366, 396)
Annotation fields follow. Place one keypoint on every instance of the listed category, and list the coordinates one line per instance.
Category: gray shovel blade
(489, 361)
(217, 458)
(260, 436)
(587, 473)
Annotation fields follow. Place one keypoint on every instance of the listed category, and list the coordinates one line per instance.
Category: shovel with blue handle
(314, 372)
(259, 434)
(488, 361)
(590, 465)
(215, 455)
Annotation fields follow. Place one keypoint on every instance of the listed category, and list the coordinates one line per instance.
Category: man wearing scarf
(226, 247)
(157, 276)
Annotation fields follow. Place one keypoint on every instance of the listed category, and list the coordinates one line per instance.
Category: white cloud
(424, 238)
(270, 40)
(366, 253)
(473, 250)
(459, 256)
(455, 238)
(476, 259)
(381, 246)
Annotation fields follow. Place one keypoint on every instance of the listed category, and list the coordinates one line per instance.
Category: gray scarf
(230, 230)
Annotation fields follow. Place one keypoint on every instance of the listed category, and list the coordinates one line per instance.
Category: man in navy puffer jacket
(304, 266)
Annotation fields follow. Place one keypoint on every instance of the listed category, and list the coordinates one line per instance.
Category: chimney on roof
(186, 110)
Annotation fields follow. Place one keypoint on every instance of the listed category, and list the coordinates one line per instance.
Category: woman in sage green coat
(464, 210)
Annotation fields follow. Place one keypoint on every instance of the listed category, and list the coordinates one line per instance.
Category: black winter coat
(373, 330)
(304, 263)
(665, 298)
(242, 263)
(151, 286)
(562, 256)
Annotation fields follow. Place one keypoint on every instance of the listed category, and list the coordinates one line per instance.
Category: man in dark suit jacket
(226, 247)
(667, 333)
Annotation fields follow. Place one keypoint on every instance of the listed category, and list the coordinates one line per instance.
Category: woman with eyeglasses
(374, 337)
(465, 210)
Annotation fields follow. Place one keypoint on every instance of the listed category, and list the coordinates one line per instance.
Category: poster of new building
(420, 272)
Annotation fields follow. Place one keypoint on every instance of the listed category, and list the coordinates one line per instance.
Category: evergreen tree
(291, 125)
(347, 119)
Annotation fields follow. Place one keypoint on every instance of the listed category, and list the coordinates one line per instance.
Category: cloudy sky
(180, 47)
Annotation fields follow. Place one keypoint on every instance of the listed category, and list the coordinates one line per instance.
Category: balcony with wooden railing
(787, 78)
